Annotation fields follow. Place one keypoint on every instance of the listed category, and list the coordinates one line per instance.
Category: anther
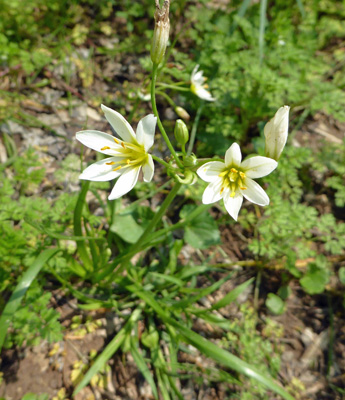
(110, 163)
(117, 168)
(116, 140)
(105, 148)
(242, 175)
(128, 161)
(222, 190)
(123, 145)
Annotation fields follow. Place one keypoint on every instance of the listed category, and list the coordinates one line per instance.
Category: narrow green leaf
(301, 7)
(210, 349)
(232, 296)
(141, 364)
(108, 352)
(78, 212)
(263, 9)
(20, 290)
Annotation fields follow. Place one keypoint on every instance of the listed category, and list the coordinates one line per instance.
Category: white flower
(199, 86)
(232, 180)
(127, 155)
(276, 133)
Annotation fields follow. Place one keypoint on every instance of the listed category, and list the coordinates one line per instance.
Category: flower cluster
(230, 180)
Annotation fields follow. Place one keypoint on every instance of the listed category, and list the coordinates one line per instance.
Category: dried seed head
(161, 32)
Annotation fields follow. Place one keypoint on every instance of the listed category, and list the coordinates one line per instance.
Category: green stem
(167, 98)
(162, 162)
(159, 123)
(81, 246)
(136, 247)
(175, 87)
(194, 129)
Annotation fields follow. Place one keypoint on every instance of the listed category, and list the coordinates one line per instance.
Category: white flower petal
(125, 183)
(195, 73)
(212, 192)
(233, 156)
(210, 171)
(255, 193)
(146, 131)
(100, 171)
(97, 140)
(257, 167)
(276, 133)
(204, 94)
(148, 169)
(119, 124)
(233, 204)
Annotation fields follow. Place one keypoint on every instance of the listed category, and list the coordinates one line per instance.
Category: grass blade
(263, 9)
(208, 348)
(141, 364)
(109, 351)
(301, 7)
(20, 290)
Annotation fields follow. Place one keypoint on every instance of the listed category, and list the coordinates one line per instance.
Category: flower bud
(182, 113)
(181, 132)
(190, 161)
(276, 132)
(161, 32)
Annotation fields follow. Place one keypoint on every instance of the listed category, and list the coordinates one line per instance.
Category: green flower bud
(161, 32)
(181, 132)
(190, 161)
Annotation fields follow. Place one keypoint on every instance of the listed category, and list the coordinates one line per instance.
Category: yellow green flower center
(134, 155)
(232, 179)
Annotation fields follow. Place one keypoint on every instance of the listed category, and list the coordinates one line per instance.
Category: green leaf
(141, 364)
(316, 278)
(275, 304)
(208, 348)
(131, 225)
(201, 232)
(20, 290)
(108, 352)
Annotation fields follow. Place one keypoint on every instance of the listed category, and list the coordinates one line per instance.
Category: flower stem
(162, 162)
(159, 123)
(194, 129)
(123, 261)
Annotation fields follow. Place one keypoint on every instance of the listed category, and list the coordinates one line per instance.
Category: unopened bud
(181, 132)
(161, 32)
(190, 161)
(276, 133)
(182, 113)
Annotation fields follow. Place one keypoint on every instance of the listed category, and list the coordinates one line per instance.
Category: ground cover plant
(172, 199)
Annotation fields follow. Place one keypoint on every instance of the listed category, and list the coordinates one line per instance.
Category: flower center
(232, 179)
(132, 155)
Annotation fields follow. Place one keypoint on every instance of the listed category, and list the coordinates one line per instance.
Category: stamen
(117, 168)
(234, 170)
(116, 140)
(242, 175)
(123, 145)
(110, 163)
(243, 188)
(222, 190)
(105, 148)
